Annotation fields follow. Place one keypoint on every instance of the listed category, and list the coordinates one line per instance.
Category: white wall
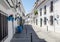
(55, 27)
(57, 12)
(10, 29)
(4, 6)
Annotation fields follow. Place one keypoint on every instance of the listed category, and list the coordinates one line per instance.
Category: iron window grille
(51, 7)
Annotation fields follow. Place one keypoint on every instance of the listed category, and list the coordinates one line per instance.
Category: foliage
(35, 12)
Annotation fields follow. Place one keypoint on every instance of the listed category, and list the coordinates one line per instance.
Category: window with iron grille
(0, 29)
(36, 21)
(45, 9)
(51, 20)
(45, 20)
(37, 0)
(3, 26)
(41, 12)
(40, 22)
(51, 7)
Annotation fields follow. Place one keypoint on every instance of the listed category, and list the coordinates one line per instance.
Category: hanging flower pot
(10, 18)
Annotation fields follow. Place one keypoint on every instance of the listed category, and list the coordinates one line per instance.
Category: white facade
(28, 18)
(56, 16)
(7, 10)
(20, 11)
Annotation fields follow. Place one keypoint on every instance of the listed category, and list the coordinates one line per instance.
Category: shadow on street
(27, 35)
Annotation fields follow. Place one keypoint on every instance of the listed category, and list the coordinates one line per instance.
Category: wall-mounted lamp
(17, 5)
(57, 16)
(47, 19)
(17, 16)
(55, 19)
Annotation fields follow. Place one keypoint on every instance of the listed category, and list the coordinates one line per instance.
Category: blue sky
(28, 4)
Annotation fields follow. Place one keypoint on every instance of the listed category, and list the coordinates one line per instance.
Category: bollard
(31, 37)
(26, 31)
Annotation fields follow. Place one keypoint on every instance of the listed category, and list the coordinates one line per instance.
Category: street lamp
(56, 19)
(17, 16)
(18, 4)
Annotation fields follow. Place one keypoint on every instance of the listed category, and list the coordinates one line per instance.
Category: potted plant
(35, 12)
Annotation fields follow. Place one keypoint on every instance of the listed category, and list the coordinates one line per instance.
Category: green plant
(35, 12)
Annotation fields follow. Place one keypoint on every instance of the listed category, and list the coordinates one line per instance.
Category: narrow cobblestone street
(38, 35)
(29, 20)
(25, 36)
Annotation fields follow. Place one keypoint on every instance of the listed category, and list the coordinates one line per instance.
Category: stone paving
(49, 36)
(25, 36)
(38, 35)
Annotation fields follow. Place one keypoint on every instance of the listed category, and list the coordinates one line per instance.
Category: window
(51, 8)
(36, 21)
(37, 0)
(0, 29)
(3, 26)
(45, 20)
(51, 20)
(20, 21)
(44, 9)
(41, 12)
(41, 22)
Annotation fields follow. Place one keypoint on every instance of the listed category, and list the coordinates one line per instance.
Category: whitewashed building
(28, 18)
(48, 15)
(7, 27)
